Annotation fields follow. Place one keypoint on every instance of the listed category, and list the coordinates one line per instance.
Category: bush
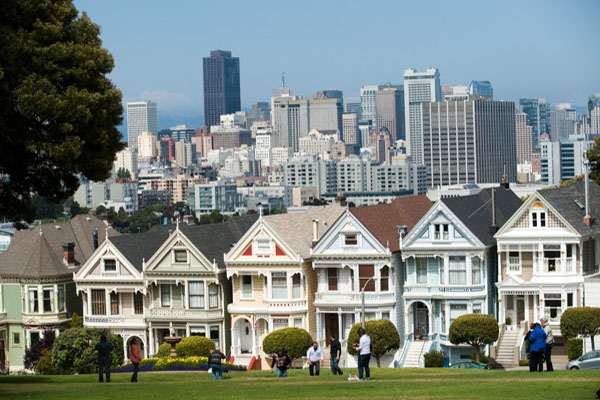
(581, 321)
(474, 329)
(482, 357)
(383, 334)
(34, 353)
(434, 359)
(45, 366)
(76, 322)
(192, 346)
(508, 321)
(75, 350)
(523, 363)
(294, 341)
(574, 348)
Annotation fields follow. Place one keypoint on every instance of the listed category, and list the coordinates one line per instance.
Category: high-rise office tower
(538, 117)
(481, 88)
(367, 102)
(141, 117)
(259, 112)
(354, 108)
(350, 132)
(221, 86)
(524, 135)
(470, 141)
(389, 111)
(562, 121)
(279, 94)
(419, 87)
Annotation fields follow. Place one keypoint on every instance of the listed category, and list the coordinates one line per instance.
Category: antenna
(283, 79)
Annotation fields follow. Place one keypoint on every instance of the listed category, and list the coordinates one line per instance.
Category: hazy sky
(525, 48)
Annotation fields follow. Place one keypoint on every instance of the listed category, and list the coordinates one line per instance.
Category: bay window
(458, 270)
(33, 301)
(165, 295)
(213, 296)
(196, 294)
(246, 292)
(48, 300)
(421, 267)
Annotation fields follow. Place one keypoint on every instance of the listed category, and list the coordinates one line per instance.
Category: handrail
(423, 348)
(403, 353)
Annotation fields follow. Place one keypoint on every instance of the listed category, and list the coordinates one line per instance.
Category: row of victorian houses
(419, 264)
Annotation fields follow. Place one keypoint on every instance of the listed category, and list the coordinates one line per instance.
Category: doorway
(331, 327)
(520, 310)
(421, 320)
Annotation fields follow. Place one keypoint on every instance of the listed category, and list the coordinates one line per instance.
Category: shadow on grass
(25, 379)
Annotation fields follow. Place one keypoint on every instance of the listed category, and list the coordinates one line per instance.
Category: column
(446, 269)
(55, 298)
(469, 268)
(151, 340)
(107, 301)
(527, 309)
(254, 346)
(40, 291)
(185, 297)
(536, 306)
(268, 295)
(340, 327)
(288, 279)
(499, 266)
(563, 258)
(89, 301)
(431, 320)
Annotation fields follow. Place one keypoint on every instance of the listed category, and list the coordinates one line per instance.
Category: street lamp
(362, 293)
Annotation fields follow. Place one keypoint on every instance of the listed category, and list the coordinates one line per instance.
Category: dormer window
(441, 232)
(110, 265)
(350, 239)
(538, 215)
(180, 256)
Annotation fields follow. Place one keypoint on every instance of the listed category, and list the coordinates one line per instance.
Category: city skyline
(510, 54)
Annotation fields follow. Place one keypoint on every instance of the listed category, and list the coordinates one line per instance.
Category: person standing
(549, 343)
(315, 358)
(280, 361)
(104, 359)
(135, 357)
(215, 363)
(336, 353)
(537, 348)
(363, 347)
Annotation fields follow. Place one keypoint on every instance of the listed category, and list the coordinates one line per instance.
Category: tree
(35, 351)
(58, 110)
(76, 321)
(384, 338)
(214, 217)
(474, 329)
(581, 321)
(294, 341)
(76, 209)
(594, 157)
(45, 209)
(123, 173)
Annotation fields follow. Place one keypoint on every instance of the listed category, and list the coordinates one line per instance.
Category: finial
(177, 223)
(106, 230)
(260, 210)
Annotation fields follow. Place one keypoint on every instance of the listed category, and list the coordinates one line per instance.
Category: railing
(286, 303)
(110, 319)
(555, 265)
(553, 314)
(346, 298)
(443, 289)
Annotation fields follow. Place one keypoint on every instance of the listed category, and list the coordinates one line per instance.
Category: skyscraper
(281, 93)
(419, 87)
(367, 102)
(562, 121)
(481, 88)
(221, 86)
(524, 134)
(350, 133)
(141, 117)
(538, 117)
(354, 108)
(389, 111)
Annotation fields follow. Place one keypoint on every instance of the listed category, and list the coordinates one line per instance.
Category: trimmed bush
(294, 341)
(581, 321)
(474, 329)
(45, 366)
(75, 350)
(434, 359)
(574, 348)
(508, 321)
(34, 353)
(192, 346)
(482, 357)
(383, 334)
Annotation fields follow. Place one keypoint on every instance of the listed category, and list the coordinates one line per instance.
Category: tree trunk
(592, 339)
(476, 353)
(378, 364)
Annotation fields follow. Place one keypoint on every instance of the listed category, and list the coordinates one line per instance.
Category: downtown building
(141, 117)
(221, 86)
(538, 117)
(389, 111)
(563, 160)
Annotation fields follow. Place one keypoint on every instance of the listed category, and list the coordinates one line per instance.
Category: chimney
(494, 227)
(69, 253)
(315, 230)
(341, 199)
(95, 238)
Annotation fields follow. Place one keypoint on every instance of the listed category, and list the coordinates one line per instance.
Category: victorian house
(546, 251)
(272, 278)
(37, 292)
(451, 269)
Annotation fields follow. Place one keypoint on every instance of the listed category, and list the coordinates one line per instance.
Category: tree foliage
(581, 321)
(383, 334)
(58, 110)
(294, 341)
(75, 350)
(35, 351)
(594, 157)
(475, 330)
(214, 217)
(76, 321)
(123, 173)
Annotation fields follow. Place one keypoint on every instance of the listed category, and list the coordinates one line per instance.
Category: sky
(525, 48)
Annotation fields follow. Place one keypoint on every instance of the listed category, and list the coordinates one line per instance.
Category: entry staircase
(505, 353)
(415, 352)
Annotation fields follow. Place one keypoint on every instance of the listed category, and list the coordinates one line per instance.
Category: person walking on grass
(135, 357)
(215, 363)
(549, 343)
(537, 348)
(336, 353)
(315, 358)
(280, 361)
(363, 347)
(104, 359)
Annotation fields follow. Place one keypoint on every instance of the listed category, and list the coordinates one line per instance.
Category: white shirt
(314, 355)
(364, 345)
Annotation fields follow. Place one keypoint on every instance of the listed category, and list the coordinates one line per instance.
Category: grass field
(385, 383)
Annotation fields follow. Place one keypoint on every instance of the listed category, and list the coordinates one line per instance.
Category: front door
(245, 336)
(421, 320)
(520, 310)
(331, 327)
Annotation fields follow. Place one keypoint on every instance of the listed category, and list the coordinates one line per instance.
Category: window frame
(283, 288)
(424, 261)
(351, 239)
(244, 296)
(112, 268)
(463, 271)
(476, 261)
(180, 251)
(50, 299)
(213, 296)
(363, 279)
(115, 303)
(332, 279)
(297, 287)
(165, 299)
(265, 249)
(509, 264)
(18, 342)
(35, 301)
(200, 296)
(384, 280)
(138, 299)
(60, 293)
(99, 301)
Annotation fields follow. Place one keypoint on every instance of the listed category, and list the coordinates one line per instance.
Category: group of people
(541, 341)
(104, 348)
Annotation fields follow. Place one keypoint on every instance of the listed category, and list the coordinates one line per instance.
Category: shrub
(474, 329)
(434, 359)
(75, 350)
(294, 341)
(581, 321)
(383, 334)
(482, 357)
(574, 348)
(76, 322)
(508, 321)
(34, 353)
(523, 363)
(192, 346)
(45, 366)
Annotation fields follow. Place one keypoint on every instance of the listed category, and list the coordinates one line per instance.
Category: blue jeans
(281, 373)
(104, 365)
(335, 367)
(363, 362)
(215, 368)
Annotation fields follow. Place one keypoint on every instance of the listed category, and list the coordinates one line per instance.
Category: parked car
(589, 360)
(470, 365)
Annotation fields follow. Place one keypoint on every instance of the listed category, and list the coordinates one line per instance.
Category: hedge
(294, 341)
(192, 346)
(177, 364)
(574, 348)
(434, 359)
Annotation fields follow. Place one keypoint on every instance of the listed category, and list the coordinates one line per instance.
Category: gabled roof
(32, 254)
(475, 211)
(563, 201)
(382, 220)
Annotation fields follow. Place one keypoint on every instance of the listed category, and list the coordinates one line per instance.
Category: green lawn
(385, 383)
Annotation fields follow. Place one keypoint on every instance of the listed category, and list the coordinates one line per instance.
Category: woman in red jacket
(135, 357)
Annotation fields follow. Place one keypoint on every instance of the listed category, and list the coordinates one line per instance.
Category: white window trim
(426, 272)
(350, 245)
(117, 265)
(263, 252)
(508, 270)
(187, 256)
(170, 295)
(242, 297)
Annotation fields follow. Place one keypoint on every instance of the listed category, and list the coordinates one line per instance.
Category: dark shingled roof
(475, 211)
(213, 240)
(563, 201)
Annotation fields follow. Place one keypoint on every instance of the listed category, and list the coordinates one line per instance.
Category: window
(246, 287)
(110, 265)
(16, 339)
(476, 271)
(456, 310)
(542, 219)
(385, 278)
(138, 303)
(165, 295)
(350, 239)
(514, 261)
(332, 278)
(196, 294)
(280, 323)
(441, 232)
(365, 272)
(534, 220)
(213, 296)
(114, 303)
(421, 270)
(569, 299)
(33, 301)
(385, 315)
(198, 331)
(458, 270)
(477, 308)
(180, 256)
(279, 285)
(298, 323)
(443, 317)
(214, 335)
(296, 286)
(98, 302)
(441, 273)
(48, 300)
(61, 298)
(263, 246)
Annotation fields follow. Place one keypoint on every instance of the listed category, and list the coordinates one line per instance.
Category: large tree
(58, 109)
(384, 338)
(475, 330)
(581, 321)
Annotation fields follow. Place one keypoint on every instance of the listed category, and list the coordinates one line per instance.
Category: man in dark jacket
(336, 353)
(537, 348)
(215, 363)
(280, 361)
(104, 359)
